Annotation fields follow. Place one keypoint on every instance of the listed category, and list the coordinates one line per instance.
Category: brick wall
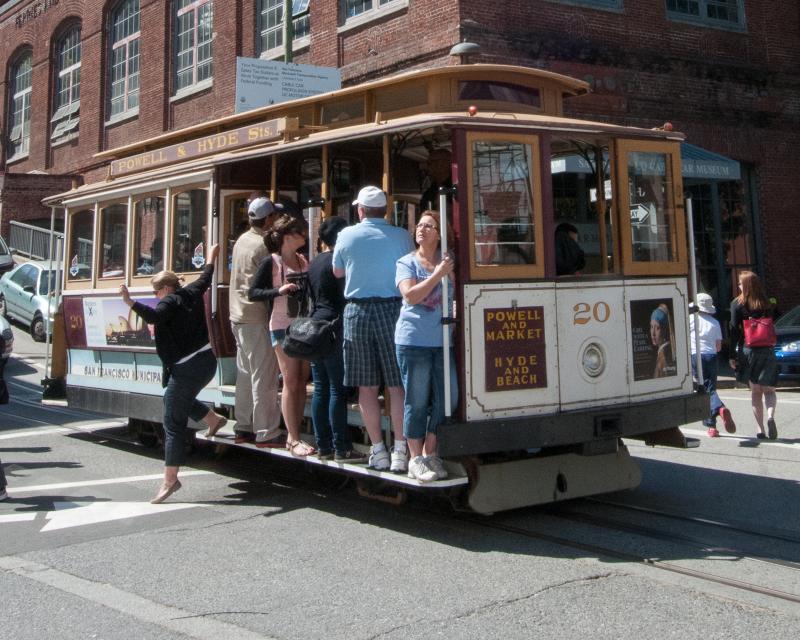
(732, 92)
(22, 197)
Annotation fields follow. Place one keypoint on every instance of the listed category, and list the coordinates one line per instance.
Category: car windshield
(44, 287)
(790, 319)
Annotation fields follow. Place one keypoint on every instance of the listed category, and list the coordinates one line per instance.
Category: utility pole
(288, 30)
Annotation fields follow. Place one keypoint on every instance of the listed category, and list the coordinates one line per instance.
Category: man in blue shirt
(366, 255)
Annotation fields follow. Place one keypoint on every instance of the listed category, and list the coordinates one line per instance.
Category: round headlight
(593, 360)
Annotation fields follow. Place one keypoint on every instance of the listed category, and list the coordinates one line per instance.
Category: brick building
(83, 76)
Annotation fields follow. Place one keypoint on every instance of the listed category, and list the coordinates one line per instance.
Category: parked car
(24, 296)
(787, 350)
(6, 343)
(6, 259)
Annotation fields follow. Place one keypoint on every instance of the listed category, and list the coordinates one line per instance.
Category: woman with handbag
(329, 402)
(281, 282)
(752, 342)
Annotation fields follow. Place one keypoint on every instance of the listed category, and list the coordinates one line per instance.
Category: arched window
(19, 125)
(68, 86)
(193, 56)
(124, 97)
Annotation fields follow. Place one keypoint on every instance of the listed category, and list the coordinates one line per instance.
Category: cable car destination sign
(249, 135)
(515, 348)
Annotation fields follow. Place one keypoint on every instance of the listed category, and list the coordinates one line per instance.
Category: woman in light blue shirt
(418, 339)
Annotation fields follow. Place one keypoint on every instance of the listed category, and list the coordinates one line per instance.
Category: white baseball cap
(706, 303)
(260, 208)
(370, 197)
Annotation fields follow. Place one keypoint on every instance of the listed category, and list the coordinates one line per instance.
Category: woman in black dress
(755, 366)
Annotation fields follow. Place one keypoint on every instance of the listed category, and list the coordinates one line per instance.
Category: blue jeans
(329, 404)
(422, 370)
(710, 368)
(180, 403)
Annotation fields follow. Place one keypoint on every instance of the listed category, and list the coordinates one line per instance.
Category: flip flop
(300, 449)
(212, 431)
(163, 493)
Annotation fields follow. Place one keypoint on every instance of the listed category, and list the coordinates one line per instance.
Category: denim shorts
(277, 336)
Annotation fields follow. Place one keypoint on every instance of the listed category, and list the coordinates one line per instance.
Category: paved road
(255, 550)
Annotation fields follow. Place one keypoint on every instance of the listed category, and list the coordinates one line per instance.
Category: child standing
(710, 335)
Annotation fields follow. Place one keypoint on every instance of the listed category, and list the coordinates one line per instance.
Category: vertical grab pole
(445, 303)
(50, 278)
(693, 281)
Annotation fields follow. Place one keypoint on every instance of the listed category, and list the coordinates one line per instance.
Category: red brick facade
(734, 92)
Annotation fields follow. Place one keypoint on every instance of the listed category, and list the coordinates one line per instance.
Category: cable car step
(225, 437)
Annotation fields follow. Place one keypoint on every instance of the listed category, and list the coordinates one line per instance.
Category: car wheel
(38, 329)
(3, 310)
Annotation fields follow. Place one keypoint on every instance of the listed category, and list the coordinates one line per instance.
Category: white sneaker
(435, 464)
(418, 470)
(399, 460)
(379, 460)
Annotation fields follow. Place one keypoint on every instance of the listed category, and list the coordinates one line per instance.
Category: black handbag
(309, 339)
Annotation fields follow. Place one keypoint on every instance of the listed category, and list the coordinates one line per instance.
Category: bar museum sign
(207, 145)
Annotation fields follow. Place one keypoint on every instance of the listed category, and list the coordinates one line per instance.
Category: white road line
(95, 483)
(18, 517)
(196, 625)
(29, 433)
(741, 438)
(746, 398)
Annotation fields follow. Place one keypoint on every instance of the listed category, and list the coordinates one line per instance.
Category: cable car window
(81, 245)
(499, 92)
(148, 235)
(113, 228)
(188, 231)
(652, 209)
(503, 203)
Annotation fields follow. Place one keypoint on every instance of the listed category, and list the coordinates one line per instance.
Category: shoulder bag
(309, 339)
(759, 332)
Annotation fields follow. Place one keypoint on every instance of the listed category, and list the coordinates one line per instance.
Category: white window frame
(702, 16)
(608, 5)
(128, 47)
(270, 26)
(19, 113)
(196, 67)
(67, 105)
(354, 13)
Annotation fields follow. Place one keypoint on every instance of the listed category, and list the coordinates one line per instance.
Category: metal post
(313, 215)
(288, 31)
(445, 302)
(693, 281)
(47, 327)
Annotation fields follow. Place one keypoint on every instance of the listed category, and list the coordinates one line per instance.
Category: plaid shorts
(369, 351)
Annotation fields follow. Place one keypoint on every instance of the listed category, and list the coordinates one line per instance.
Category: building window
(125, 58)
(595, 4)
(726, 13)
(193, 21)
(358, 7)
(19, 140)
(68, 87)
(271, 21)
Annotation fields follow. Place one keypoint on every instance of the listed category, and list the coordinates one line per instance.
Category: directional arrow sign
(76, 514)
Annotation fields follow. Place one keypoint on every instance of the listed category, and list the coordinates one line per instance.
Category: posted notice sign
(260, 83)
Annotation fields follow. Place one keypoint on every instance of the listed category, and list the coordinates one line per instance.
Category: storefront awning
(697, 163)
(706, 165)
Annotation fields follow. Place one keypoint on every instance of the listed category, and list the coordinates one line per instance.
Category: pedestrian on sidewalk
(188, 362)
(709, 334)
(754, 359)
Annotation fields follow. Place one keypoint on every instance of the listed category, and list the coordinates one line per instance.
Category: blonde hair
(752, 295)
(165, 279)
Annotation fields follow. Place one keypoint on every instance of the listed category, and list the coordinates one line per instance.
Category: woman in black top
(188, 363)
(755, 366)
(328, 404)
